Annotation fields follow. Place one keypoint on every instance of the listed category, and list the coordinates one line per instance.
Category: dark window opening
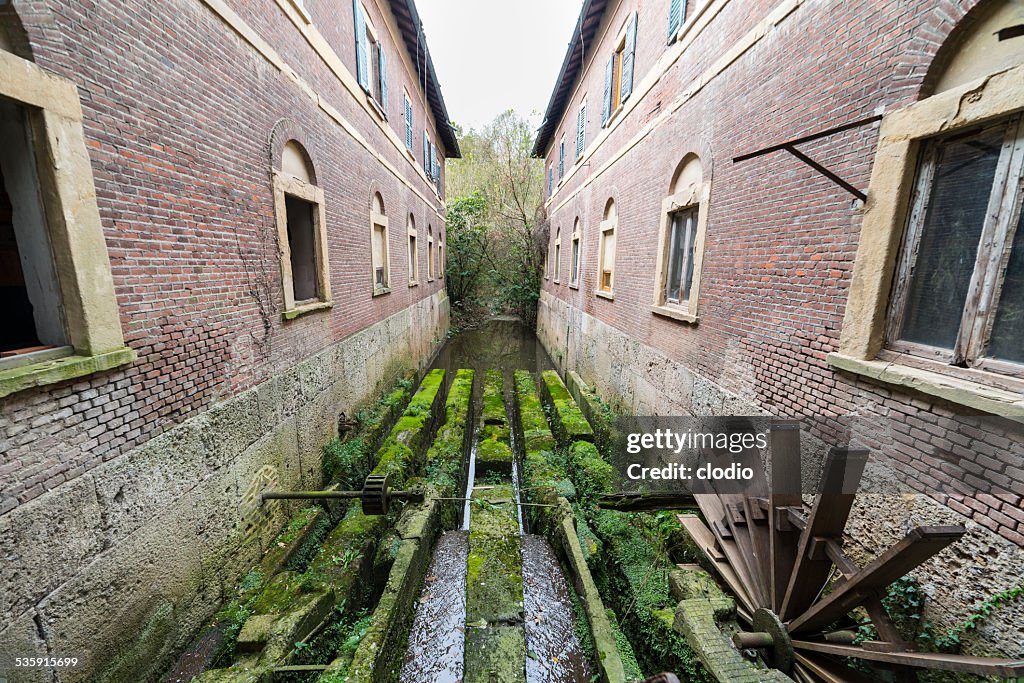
(28, 281)
(302, 243)
(680, 256)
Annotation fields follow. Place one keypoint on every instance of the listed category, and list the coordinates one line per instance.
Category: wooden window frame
(1003, 211)
(412, 245)
(862, 342)
(575, 256)
(610, 225)
(430, 253)
(379, 220)
(696, 197)
(558, 257)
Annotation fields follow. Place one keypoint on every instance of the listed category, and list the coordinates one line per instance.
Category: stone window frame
(862, 348)
(85, 278)
(440, 254)
(430, 252)
(699, 196)
(608, 226)
(558, 257)
(286, 185)
(575, 255)
(378, 219)
(413, 248)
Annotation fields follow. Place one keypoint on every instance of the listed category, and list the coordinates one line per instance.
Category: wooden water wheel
(778, 557)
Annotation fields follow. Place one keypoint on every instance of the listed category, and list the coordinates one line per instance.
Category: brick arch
(283, 132)
(974, 11)
(931, 34)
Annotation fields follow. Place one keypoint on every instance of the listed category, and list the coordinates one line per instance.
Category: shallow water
(502, 343)
(554, 653)
(436, 639)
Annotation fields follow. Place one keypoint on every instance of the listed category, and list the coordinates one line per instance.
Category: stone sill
(605, 295)
(954, 389)
(294, 313)
(61, 369)
(381, 291)
(674, 314)
(414, 283)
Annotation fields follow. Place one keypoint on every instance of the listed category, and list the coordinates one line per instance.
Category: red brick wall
(781, 239)
(178, 117)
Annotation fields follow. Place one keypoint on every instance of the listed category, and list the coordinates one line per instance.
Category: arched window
(379, 246)
(414, 257)
(430, 252)
(302, 233)
(606, 251)
(575, 255)
(558, 255)
(946, 195)
(440, 254)
(681, 242)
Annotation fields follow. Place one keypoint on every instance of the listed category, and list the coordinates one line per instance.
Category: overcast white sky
(492, 55)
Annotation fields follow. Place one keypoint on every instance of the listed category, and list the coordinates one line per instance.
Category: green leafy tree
(496, 217)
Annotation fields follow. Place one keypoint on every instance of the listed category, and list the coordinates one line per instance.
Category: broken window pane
(948, 247)
(680, 256)
(1007, 339)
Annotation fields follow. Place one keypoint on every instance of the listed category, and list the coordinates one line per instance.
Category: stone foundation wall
(124, 563)
(636, 379)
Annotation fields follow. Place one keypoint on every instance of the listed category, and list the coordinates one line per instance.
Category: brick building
(221, 225)
(701, 262)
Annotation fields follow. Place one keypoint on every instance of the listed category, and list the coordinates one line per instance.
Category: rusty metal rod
(747, 640)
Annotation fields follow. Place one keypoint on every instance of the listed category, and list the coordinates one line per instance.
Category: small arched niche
(609, 210)
(989, 40)
(377, 204)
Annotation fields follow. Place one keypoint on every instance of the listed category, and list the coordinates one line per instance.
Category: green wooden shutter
(408, 124)
(561, 160)
(551, 179)
(628, 56)
(383, 66)
(581, 129)
(609, 73)
(426, 153)
(360, 24)
(675, 19)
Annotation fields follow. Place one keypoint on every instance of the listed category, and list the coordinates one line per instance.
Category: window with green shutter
(361, 45)
(408, 123)
(609, 72)
(676, 18)
(581, 129)
(561, 159)
(628, 56)
(382, 72)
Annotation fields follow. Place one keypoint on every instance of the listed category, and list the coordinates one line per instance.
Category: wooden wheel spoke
(984, 666)
(919, 545)
(786, 483)
(706, 540)
(828, 670)
(831, 510)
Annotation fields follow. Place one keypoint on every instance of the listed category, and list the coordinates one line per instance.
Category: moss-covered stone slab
(493, 411)
(569, 424)
(537, 435)
(495, 655)
(606, 649)
(591, 473)
(494, 577)
(493, 456)
(380, 651)
(234, 675)
(408, 438)
(444, 460)
(699, 616)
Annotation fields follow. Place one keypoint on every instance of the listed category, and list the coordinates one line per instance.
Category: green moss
(493, 456)
(494, 579)
(629, 662)
(407, 439)
(494, 398)
(569, 422)
(278, 594)
(590, 472)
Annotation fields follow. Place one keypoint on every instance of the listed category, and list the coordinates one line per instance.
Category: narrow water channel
(436, 641)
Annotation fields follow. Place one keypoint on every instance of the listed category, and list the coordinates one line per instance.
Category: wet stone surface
(554, 653)
(436, 639)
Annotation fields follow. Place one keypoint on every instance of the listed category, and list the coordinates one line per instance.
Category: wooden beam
(919, 545)
(831, 510)
(985, 666)
(705, 540)
(824, 669)
(786, 484)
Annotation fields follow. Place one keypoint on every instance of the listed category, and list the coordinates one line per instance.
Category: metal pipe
(747, 640)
